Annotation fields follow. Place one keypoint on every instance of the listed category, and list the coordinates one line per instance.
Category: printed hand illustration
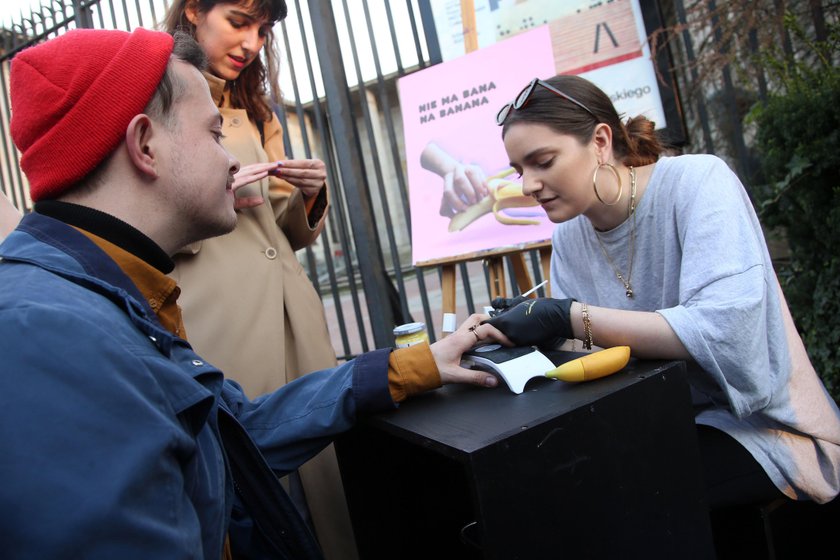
(464, 184)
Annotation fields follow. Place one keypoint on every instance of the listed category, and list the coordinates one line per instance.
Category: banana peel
(504, 193)
(462, 219)
(508, 194)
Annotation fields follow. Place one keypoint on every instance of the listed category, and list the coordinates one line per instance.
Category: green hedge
(798, 139)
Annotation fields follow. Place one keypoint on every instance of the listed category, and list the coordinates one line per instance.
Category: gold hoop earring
(618, 178)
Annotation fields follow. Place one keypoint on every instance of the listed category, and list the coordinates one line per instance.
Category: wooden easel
(494, 261)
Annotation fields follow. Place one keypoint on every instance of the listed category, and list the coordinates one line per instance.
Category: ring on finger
(472, 330)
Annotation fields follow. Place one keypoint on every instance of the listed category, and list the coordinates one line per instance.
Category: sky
(9, 8)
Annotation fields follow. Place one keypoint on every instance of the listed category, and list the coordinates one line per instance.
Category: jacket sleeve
(92, 461)
(296, 421)
(300, 222)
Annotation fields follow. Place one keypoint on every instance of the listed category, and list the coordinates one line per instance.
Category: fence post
(348, 150)
(730, 103)
(84, 17)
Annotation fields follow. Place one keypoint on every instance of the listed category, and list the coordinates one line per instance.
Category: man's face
(200, 168)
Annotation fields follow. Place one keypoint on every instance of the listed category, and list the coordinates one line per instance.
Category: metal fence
(340, 104)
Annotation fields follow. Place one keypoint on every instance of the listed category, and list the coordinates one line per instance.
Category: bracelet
(587, 326)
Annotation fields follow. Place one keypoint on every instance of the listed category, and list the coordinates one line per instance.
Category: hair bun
(643, 145)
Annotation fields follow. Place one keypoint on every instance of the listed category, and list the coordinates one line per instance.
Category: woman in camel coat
(247, 303)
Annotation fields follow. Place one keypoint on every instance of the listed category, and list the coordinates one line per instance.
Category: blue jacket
(108, 423)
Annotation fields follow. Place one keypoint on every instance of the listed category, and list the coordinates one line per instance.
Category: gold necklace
(631, 212)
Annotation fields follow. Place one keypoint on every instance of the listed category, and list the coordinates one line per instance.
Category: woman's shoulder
(704, 170)
(273, 123)
(699, 181)
(691, 164)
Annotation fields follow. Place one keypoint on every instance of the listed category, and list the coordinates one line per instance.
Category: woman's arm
(548, 322)
(647, 333)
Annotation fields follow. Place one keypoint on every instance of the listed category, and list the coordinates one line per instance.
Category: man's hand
(448, 351)
(542, 322)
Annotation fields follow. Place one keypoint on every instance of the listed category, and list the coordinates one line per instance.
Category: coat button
(235, 121)
(197, 363)
(271, 253)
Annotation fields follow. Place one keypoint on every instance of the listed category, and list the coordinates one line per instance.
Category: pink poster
(451, 136)
(449, 111)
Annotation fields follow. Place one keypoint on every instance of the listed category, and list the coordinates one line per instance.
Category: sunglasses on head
(525, 94)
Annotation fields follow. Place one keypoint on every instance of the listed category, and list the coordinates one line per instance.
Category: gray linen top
(702, 263)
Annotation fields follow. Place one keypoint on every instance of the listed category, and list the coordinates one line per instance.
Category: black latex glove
(500, 304)
(542, 322)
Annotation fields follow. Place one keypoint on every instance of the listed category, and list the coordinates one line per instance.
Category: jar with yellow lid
(410, 334)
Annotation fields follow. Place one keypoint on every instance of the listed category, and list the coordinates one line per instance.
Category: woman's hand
(308, 175)
(250, 174)
(463, 186)
(448, 351)
(542, 322)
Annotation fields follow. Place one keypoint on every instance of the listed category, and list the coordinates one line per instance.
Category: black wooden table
(603, 469)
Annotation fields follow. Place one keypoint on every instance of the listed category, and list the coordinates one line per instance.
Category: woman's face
(556, 169)
(231, 36)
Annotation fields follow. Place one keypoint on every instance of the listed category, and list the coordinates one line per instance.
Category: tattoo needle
(535, 288)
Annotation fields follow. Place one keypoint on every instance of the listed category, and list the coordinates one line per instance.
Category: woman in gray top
(666, 255)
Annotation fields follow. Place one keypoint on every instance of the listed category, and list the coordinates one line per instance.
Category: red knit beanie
(73, 97)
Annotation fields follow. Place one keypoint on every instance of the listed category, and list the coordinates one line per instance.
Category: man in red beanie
(119, 441)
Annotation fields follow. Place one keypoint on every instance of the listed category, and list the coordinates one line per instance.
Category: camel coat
(250, 309)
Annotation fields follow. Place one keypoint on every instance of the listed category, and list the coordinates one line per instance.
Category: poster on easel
(449, 109)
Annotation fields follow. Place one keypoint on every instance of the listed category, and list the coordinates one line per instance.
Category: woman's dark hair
(248, 90)
(634, 142)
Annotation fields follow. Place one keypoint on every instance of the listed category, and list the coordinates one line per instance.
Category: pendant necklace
(631, 212)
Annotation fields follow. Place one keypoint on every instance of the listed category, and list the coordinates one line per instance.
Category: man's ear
(141, 150)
